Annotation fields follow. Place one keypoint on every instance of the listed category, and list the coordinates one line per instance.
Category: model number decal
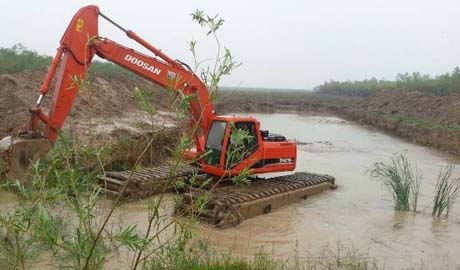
(286, 160)
(286, 144)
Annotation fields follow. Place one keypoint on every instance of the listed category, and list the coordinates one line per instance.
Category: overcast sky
(282, 43)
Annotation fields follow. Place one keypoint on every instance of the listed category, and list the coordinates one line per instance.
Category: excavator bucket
(16, 154)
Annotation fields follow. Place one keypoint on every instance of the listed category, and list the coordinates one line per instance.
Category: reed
(402, 179)
(446, 192)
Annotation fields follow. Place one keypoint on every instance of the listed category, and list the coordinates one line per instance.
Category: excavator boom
(211, 133)
(78, 46)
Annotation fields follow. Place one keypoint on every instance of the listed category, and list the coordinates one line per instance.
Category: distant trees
(444, 84)
(19, 58)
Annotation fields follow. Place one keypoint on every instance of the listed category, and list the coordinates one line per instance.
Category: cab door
(215, 143)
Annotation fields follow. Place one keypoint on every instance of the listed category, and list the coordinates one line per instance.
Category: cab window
(215, 142)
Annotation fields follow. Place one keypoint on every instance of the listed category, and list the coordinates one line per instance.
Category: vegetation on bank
(444, 84)
(420, 123)
(412, 121)
(19, 58)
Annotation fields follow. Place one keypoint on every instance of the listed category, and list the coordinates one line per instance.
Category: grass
(411, 121)
(402, 179)
(447, 191)
(202, 257)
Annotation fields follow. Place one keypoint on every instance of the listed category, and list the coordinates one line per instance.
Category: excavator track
(226, 205)
(145, 182)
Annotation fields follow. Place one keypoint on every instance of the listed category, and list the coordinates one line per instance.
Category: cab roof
(235, 118)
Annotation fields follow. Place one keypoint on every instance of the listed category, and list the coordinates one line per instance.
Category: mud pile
(104, 112)
(443, 110)
(101, 98)
(271, 101)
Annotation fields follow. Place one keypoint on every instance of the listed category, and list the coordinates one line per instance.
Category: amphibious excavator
(264, 152)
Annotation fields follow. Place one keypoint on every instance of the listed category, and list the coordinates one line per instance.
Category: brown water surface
(360, 212)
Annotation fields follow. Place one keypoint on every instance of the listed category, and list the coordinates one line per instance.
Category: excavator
(81, 42)
(264, 152)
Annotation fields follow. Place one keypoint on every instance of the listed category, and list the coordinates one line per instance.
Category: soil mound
(444, 110)
(105, 113)
(101, 98)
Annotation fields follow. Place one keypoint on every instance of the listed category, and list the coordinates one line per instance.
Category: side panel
(278, 156)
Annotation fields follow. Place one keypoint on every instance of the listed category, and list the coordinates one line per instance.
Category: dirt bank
(109, 107)
(105, 112)
(419, 117)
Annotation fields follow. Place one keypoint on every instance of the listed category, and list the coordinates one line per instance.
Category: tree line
(444, 84)
(19, 58)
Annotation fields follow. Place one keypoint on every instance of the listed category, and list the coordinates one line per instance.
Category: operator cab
(242, 142)
(235, 143)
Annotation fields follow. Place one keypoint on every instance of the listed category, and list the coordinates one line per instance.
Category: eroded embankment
(106, 113)
(419, 117)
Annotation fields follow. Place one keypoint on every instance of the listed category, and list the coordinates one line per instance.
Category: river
(360, 212)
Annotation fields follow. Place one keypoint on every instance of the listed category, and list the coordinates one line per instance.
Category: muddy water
(360, 212)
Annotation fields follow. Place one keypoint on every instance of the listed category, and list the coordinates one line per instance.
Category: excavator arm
(259, 152)
(79, 44)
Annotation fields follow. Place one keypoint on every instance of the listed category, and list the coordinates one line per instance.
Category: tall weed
(402, 179)
(446, 192)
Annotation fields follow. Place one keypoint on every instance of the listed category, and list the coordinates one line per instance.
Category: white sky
(282, 44)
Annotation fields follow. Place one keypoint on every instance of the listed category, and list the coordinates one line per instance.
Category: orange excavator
(228, 205)
(264, 152)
